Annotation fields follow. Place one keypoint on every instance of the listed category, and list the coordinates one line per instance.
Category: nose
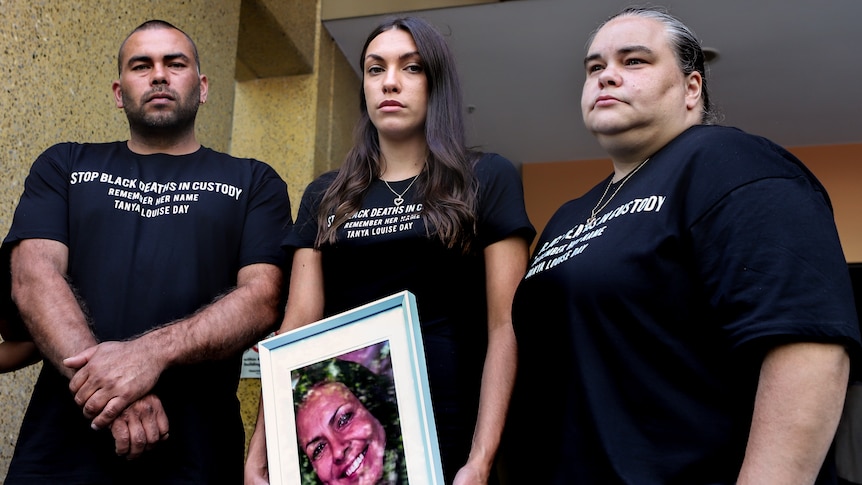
(340, 448)
(159, 74)
(391, 81)
(609, 76)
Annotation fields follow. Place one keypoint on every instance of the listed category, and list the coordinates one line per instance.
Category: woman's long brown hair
(447, 185)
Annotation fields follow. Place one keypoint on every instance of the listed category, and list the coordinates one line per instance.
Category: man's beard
(166, 119)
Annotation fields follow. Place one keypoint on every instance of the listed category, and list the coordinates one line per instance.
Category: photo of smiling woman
(347, 424)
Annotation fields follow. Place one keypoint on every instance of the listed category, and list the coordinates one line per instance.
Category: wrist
(157, 346)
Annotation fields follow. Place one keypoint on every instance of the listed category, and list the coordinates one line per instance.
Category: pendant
(398, 201)
(591, 221)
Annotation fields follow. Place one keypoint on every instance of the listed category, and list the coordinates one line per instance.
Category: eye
(139, 67)
(375, 69)
(317, 451)
(594, 67)
(344, 420)
(634, 61)
(414, 68)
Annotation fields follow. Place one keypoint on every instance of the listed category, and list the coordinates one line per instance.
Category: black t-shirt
(384, 249)
(651, 324)
(151, 238)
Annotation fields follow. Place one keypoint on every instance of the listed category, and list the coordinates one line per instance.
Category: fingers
(78, 379)
(82, 392)
(140, 427)
(109, 412)
(137, 439)
(154, 420)
(79, 360)
(112, 376)
(122, 440)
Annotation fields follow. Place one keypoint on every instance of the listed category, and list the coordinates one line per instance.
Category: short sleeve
(42, 211)
(502, 212)
(304, 231)
(773, 266)
(268, 219)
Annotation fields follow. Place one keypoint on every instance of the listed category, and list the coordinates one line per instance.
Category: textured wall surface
(299, 121)
(57, 62)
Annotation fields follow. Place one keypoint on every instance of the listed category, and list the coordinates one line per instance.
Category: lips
(160, 95)
(605, 100)
(390, 102)
(355, 464)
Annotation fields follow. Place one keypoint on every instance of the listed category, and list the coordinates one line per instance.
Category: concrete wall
(280, 91)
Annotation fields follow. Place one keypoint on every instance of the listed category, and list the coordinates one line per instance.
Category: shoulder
(718, 152)
(713, 161)
(73, 149)
(255, 167)
(322, 182)
(211, 155)
(728, 144)
(494, 168)
(326, 178)
(493, 162)
(74, 156)
(315, 189)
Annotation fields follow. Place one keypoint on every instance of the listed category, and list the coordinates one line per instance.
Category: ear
(693, 90)
(118, 93)
(204, 88)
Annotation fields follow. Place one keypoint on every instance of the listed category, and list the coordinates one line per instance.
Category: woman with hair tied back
(412, 208)
(700, 325)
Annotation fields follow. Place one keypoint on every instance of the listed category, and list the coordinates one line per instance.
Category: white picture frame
(389, 326)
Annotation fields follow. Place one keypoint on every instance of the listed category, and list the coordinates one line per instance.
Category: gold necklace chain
(596, 209)
(399, 198)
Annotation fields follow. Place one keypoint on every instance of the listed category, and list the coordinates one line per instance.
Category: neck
(178, 139)
(628, 149)
(149, 146)
(402, 160)
(621, 169)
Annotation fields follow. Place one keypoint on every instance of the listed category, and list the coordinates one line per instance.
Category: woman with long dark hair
(413, 208)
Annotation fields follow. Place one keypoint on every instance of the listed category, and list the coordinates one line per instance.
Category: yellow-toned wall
(57, 62)
(300, 124)
(839, 167)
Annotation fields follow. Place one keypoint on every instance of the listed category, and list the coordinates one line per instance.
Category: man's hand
(140, 427)
(109, 377)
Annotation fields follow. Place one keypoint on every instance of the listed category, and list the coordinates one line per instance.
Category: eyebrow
(623, 50)
(166, 57)
(406, 55)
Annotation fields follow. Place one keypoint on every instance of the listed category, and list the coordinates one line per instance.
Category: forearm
(15, 355)
(505, 262)
(113, 375)
(498, 379)
(227, 326)
(799, 400)
(47, 303)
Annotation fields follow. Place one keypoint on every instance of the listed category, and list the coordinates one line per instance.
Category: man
(142, 269)
(694, 311)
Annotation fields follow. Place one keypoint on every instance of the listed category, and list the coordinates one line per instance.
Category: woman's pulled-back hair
(446, 184)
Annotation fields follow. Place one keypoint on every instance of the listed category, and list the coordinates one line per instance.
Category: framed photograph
(346, 398)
